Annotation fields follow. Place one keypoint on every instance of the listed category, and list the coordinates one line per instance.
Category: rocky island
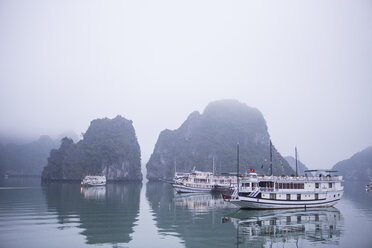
(109, 147)
(212, 136)
(356, 168)
(25, 159)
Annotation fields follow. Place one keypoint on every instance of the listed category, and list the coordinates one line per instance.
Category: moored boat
(194, 182)
(369, 186)
(321, 189)
(276, 192)
(199, 181)
(94, 181)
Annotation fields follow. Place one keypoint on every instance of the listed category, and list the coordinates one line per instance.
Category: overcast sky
(306, 65)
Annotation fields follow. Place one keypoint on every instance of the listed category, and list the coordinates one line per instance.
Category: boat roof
(320, 170)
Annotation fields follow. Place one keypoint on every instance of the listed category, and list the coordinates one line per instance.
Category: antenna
(175, 165)
(237, 169)
(271, 159)
(296, 161)
(213, 165)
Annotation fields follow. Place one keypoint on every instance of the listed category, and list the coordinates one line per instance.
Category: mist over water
(305, 66)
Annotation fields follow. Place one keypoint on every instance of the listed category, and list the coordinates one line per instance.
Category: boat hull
(259, 203)
(185, 189)
(92, 185)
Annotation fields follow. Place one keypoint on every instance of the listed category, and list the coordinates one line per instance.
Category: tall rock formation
(108, 147)
(214, 135)
(356, 168)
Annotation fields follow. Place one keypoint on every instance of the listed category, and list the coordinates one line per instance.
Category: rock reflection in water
(105, 215)
(280, 226)
(94, 193)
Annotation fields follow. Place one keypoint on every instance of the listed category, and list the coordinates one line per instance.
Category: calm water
(152, 215)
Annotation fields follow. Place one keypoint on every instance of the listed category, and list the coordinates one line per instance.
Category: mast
(296, 160)
(237, 169)
(213, 166)
(271, 159)
(175, 166)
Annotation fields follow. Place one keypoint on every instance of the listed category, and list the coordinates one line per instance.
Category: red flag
(252, 170)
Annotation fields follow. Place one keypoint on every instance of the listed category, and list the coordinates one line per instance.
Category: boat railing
(300, 178)
(276, 190)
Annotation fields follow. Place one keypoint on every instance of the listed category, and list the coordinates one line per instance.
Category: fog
(306, 65)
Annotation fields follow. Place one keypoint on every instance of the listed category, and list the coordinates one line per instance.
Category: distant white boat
(94, 181)
(369, 186)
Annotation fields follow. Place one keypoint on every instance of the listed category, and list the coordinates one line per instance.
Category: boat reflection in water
(288, 226)
(93, 193)
(202, 202)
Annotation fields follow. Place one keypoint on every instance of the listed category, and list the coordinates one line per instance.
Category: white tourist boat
(94, 181)
(199, 181)
(194, 182)
(277, 192)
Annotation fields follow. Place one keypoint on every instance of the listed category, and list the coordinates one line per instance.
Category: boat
(194, 182)
(320, 189)
(199, 181)
(277, 192)
(369, 186)
(94, 181)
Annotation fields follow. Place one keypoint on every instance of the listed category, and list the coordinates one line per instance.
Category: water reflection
(199, 203)
(94, 193)
(193, 218)
(105, 214)
(355, 191)
(322, 226)
(205, 220)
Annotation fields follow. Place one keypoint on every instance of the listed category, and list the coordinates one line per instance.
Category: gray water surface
(152, 215)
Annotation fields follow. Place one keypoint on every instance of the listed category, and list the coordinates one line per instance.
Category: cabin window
(302, 186)
(276, 185)
(288, 197)
(317, 185)
(295, 186)
(280, 185)
(298, 197)
(284, 186)
(330, 185)
(316, 196)
(272, 196)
